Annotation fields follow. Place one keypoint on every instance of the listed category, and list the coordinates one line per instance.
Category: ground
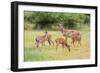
(44, 53)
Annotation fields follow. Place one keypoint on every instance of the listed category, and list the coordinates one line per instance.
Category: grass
(43, 53)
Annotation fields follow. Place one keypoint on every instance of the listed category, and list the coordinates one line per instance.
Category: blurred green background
(50, 20)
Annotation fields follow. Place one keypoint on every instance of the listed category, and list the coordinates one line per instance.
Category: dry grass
(31, 53)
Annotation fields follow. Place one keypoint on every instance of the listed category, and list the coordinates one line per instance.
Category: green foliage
(28, 26)
(50, 20)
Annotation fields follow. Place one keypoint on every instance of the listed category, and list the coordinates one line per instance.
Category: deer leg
(49, 42)
(63, 45)
(68, 48)
(43, 43)
(79, 42)
(52, 42)
(37, 44)
(66, 38)
(56, 47)
(73, 42)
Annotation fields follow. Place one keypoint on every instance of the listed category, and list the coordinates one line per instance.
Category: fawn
(63, 42)
(42, 39)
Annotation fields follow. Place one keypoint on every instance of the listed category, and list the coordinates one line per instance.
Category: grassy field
(43, 53)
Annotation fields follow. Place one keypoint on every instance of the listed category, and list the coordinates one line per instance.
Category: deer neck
(62, 30)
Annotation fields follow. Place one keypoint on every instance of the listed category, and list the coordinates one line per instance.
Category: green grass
(43, 53)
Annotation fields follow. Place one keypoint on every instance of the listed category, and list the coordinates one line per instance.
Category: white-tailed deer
(42, 39)
(62, 41)
(75, 35)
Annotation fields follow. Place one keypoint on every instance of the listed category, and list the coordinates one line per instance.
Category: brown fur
(76, 39)
(75, 35)
(62, 42)
(43, 39)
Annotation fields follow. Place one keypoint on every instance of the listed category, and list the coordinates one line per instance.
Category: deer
(42, 39)
(75, 35)
(62, 41)
(76, 39)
